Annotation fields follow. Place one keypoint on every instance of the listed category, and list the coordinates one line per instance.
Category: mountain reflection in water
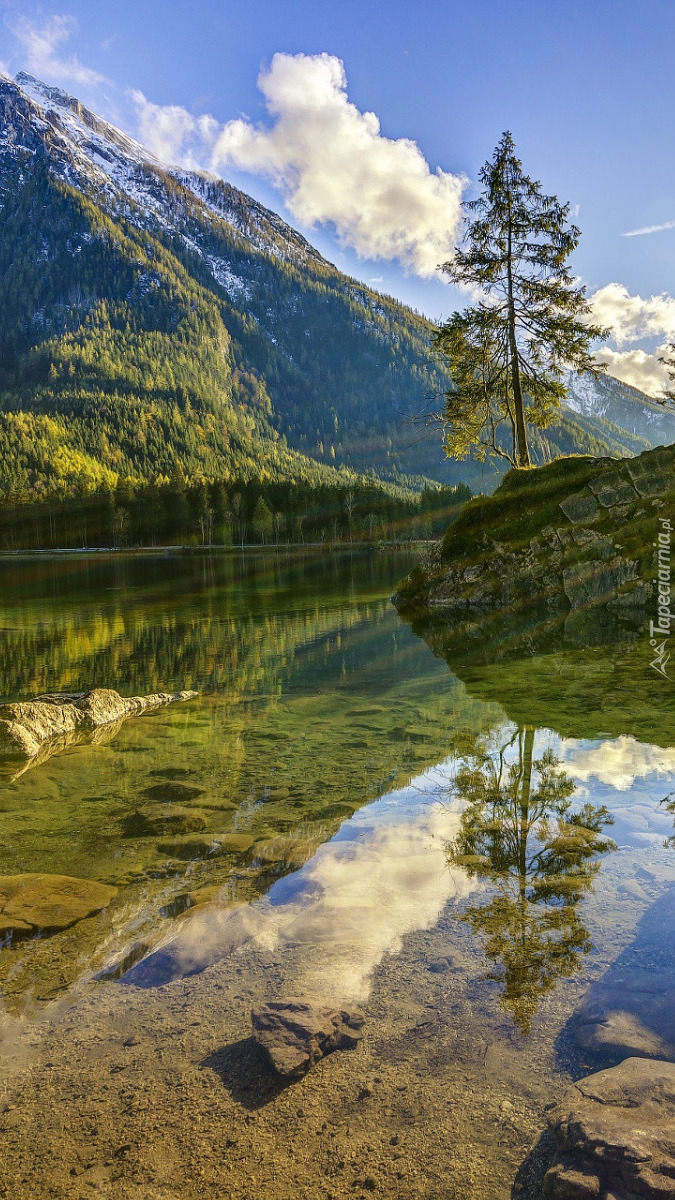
(373, 790)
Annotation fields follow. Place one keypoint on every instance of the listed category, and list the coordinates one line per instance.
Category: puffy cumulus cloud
(42, 45)
(330, 161)
(631, 319)
(637, 368)
(171, 132)
(334, 166)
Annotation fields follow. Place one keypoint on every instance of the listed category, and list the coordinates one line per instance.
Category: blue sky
(587, 89)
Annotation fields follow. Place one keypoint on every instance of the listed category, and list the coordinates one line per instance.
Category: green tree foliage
(519, 833)
(242, 511)
(507, 354)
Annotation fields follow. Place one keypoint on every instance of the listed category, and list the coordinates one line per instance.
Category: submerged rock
(295, 1034)
(26, 726)
(615, 1135)
(172, 793)
(630, 1010)
(36, 902)
(207, 845)
(173, 820)
(628, 1013)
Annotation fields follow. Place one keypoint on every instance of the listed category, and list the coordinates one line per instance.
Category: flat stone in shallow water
(295, 1034)
(632, 1013)
(615, 1135)
(33, 902)
(631, 1009)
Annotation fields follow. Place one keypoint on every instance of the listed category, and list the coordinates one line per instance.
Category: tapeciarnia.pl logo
(664, 616)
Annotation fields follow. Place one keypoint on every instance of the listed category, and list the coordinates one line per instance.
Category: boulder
(615, 1135)
(36, 902)
(580, 508)
(295, 1034)
(27, 725)
(630, 1010)
(596, 581)
(613, 487)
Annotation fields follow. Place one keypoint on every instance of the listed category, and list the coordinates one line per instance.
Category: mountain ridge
(150, 298)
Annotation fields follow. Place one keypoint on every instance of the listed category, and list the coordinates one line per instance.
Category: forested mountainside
(158, 323)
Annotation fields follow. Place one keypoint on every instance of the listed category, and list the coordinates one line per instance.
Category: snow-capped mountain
(93, 154)
(612, 400)
(154, 319)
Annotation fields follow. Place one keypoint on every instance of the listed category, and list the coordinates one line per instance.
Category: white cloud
(41, 45)
(620, 762)
(649, 229)
(172, 133)
(330, 161)
(631, 319)
(637, 368)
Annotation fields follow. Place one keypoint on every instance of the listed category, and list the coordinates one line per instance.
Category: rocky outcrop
(575, 534)
(615, 1135)
(25, 727)
(295, 1034)
(38, 903)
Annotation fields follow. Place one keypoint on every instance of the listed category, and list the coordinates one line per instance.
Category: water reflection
(519, 832)
(382, 876)
(318, 703)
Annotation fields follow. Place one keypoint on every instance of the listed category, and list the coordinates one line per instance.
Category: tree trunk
(522, 453)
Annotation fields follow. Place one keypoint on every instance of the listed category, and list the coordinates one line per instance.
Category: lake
(469, 838)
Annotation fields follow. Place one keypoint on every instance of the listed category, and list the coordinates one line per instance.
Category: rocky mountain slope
(154, 320)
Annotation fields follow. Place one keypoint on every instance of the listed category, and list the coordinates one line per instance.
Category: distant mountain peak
(38, 90)
(79, 121)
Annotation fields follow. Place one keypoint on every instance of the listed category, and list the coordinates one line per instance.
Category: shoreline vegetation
(262, 548)
(237, 515)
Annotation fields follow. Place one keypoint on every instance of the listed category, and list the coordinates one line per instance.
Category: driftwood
(32, 729)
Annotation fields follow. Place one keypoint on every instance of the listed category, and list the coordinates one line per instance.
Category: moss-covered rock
(576, 533)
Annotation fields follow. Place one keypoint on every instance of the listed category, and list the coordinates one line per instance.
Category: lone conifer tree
(508, 353)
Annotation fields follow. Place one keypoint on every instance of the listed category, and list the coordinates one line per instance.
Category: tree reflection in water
(519, 832)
